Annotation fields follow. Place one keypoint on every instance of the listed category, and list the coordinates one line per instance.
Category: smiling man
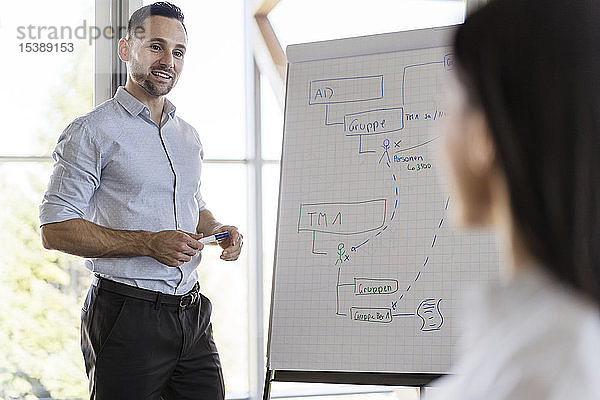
(125, 194)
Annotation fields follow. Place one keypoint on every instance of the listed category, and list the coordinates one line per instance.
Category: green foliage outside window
(41, 291)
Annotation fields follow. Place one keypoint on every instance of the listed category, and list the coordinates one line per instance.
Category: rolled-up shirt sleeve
(201, 203)
(199, 200)
(75, 177)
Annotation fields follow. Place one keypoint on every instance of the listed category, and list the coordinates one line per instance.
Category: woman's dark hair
(533, 67)
(161, 8)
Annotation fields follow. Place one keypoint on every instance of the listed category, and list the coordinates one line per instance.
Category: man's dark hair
(161, 8)
(533, 67)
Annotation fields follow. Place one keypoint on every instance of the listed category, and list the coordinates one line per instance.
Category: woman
(522, 145)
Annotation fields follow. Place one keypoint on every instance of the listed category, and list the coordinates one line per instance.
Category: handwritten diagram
(361, 223)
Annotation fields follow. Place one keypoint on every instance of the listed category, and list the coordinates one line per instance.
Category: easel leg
(421, 392)
(268, 380)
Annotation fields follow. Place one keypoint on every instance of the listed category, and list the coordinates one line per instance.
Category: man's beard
(150, 87)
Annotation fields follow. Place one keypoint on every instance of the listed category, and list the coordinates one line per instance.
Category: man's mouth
(161, 74)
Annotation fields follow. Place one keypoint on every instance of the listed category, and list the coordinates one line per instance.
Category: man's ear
(124, 49)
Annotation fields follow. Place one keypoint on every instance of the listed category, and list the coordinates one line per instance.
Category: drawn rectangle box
(369, 286)
(374, 122)
(345, 90)
(369, 314)
(343, 218)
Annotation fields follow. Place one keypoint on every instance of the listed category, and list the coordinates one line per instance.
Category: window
(336, 19)
(41, 292)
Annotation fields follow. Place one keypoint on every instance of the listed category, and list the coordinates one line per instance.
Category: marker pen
(214, 238)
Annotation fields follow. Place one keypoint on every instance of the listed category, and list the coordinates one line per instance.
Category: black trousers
(138, 349)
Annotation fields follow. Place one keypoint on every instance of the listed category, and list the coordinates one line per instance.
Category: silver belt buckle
(192, 295)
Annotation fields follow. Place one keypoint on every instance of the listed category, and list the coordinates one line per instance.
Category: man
(125, 194)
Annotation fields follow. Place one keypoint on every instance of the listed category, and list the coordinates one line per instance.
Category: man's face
(155, 54)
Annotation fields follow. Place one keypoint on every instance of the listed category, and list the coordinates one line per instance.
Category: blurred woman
(522, 149)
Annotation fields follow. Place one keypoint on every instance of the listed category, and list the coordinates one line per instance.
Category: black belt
(159, 298)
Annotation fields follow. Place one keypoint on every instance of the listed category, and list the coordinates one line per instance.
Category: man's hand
(174, 248)
(232, 246)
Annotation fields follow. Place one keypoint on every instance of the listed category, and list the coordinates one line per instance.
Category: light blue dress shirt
(117, 168)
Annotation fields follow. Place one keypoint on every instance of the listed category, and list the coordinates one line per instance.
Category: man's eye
(178, 54)
(155, 47)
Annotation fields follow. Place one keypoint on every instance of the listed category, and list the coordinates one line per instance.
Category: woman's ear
(480, 152)
(481, 170)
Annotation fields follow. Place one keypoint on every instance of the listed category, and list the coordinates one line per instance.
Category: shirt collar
(135, 107)
(169, 108)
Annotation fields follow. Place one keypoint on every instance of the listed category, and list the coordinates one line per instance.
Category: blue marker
(214, 238)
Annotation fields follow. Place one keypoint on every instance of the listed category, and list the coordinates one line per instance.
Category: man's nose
(167, 60)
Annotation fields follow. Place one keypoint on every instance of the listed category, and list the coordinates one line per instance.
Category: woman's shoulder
(531, 338)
